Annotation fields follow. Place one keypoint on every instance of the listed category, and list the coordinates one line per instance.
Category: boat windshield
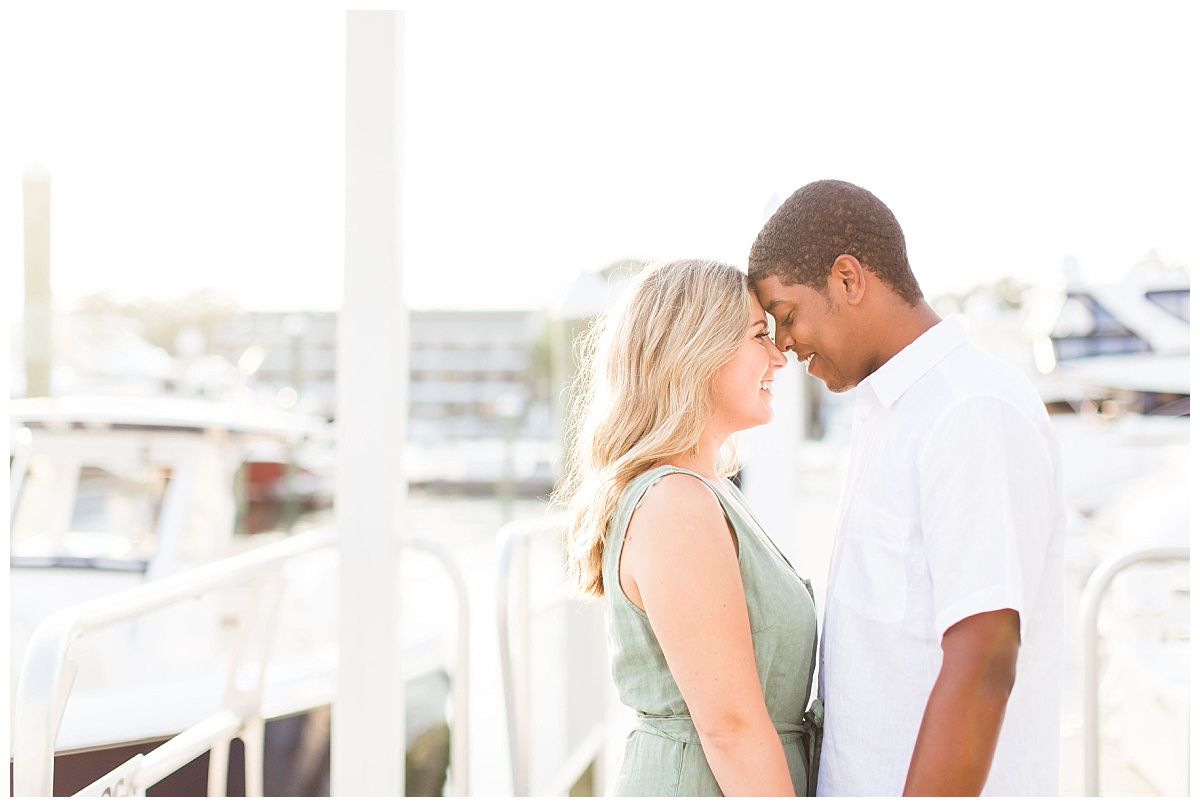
(91, 513)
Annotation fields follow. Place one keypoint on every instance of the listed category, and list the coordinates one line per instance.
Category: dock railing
(460, 681)
(48, 672)
(541, 623)
(1097, 586)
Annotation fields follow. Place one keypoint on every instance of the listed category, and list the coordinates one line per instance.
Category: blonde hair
(644, 393)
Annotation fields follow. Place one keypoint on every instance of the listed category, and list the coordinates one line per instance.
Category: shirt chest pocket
(871, 575)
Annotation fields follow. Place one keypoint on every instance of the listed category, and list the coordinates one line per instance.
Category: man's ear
(849, 279)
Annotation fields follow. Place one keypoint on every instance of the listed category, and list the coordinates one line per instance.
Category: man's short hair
(825, 219)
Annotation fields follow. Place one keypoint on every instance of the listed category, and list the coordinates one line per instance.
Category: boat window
(1176, 302)
(1086, 328)
(1081, 315)
(75, 514)
(263, 504)
(1166, 404)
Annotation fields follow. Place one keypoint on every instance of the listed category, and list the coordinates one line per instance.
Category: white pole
(39, 313)
(367, 754)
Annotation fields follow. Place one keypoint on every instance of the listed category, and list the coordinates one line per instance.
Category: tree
(163, 320)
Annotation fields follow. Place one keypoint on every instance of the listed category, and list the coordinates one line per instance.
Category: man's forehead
(772, 292)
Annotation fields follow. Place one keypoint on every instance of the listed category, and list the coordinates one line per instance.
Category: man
(941, 650)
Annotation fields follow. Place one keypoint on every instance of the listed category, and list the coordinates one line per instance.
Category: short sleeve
(987, 498)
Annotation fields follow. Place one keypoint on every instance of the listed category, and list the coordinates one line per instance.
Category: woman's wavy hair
(644, 393)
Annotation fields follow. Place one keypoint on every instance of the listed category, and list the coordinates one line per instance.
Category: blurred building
(472, 374)
(475, 374)
(278, 351)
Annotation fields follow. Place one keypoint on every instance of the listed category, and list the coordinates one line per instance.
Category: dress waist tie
(682, 729)
(807, 732)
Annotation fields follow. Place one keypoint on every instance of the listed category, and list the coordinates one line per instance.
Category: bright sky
(203, 144)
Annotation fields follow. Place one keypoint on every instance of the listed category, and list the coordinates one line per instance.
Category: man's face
(816, 329)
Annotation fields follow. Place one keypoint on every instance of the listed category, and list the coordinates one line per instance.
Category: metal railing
(459, 736)
(515, 618)
(1097, 586)
(48, 672)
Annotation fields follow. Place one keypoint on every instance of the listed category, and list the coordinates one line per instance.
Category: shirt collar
(903, 370)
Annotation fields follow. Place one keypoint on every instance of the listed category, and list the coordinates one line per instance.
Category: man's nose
(783, 341)
(778, 358)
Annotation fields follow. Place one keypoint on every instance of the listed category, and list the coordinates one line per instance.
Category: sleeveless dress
(662, 755)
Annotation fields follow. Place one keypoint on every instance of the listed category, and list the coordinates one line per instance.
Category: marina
(505, 676)
(286, 552)
(467, 527)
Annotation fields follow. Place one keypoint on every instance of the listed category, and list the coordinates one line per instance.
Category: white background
(202, 144)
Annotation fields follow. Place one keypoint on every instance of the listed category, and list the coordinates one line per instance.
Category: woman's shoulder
(681, 511)
(673, 492)
(670, 478)
(663, 492)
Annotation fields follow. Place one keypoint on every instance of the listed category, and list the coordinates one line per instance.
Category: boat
(111, 493)
(1125, 342)
(1113, 363)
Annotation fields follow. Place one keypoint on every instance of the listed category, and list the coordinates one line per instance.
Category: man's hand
(954, 747)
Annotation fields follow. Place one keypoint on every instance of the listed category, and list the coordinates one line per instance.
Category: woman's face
(742, 393)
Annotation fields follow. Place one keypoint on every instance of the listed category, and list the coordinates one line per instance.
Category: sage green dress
(662, 755)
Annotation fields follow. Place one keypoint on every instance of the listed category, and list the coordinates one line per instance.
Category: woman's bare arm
(679, 564)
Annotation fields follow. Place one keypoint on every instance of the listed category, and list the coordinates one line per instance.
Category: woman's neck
(702, 457)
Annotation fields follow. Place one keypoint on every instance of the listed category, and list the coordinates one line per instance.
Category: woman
(712, 635)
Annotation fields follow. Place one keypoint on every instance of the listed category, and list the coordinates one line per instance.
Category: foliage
(162, 321)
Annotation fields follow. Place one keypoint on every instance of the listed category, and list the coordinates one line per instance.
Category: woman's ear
(849, 279)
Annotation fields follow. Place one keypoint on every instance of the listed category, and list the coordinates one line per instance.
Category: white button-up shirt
(953, 506)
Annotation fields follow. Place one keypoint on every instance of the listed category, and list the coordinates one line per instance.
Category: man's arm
(958, 734)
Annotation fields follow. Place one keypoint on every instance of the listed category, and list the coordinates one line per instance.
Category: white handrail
(47, 673)
(513, 616)
(459, 732)
(514, 665)
(1097, 585)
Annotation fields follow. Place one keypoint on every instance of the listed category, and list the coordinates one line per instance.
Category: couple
(941, 642)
